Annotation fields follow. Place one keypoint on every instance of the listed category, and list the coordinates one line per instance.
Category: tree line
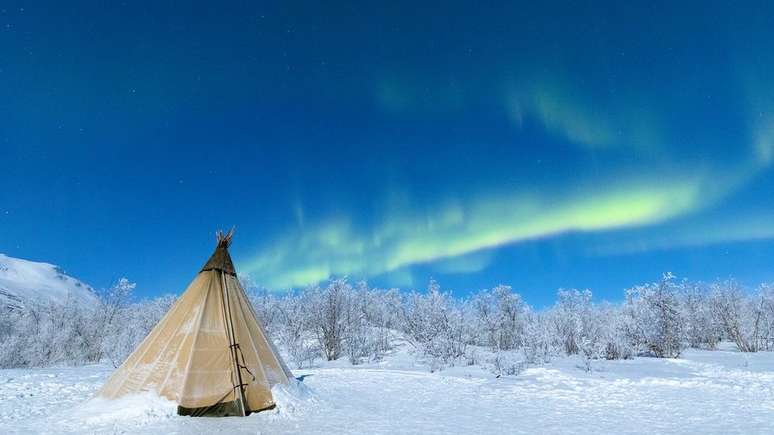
(494, 328)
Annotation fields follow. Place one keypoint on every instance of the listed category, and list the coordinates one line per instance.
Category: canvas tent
(209, 353)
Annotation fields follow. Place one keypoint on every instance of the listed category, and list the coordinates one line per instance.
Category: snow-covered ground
(720, 392)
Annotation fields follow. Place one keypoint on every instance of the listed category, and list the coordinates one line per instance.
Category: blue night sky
(572, 144)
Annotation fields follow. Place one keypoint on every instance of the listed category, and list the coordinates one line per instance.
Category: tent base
(223, 409)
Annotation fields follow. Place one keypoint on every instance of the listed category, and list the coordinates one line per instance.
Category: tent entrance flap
(222, 409)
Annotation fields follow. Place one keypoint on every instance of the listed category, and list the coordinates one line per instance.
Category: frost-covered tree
(50, 333)
(112, 318)
(294, 328)
(540, 342)
(766, 295)
(370, 315)
(492, 327)
(382, 315)
(742, 317)
(41, 334)
(573, 319)
(700, 328)
(500, 315)
(612, 321)
(329, 317)
(357, 333)
(590, 331)
(435, 325)
(655, 325)
(264, 303)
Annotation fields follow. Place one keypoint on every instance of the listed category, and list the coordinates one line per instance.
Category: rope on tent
(248, 370)
(244, 364)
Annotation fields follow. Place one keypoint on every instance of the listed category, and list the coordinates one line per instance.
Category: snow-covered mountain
(22, 280)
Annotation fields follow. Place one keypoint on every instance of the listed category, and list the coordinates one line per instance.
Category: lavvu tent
(209, 353)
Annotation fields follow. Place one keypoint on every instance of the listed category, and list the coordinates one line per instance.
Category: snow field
(723, 392)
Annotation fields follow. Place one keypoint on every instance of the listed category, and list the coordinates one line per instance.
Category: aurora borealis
(556, 145)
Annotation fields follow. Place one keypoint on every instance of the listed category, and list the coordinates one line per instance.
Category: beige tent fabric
(186, 357)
